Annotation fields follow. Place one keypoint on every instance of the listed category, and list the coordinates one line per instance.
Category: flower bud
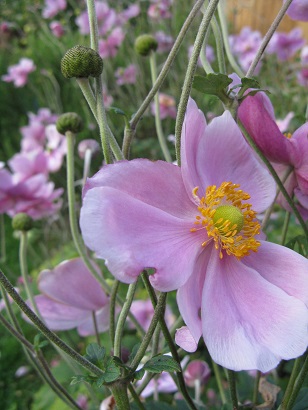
(22, 222)
(145, 43)
(70, 121)
(87, 144)
(197, 370)
(81, 62)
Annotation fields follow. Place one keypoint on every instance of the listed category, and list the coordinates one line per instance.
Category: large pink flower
(257, 115)
(70, 297)
(196, 226)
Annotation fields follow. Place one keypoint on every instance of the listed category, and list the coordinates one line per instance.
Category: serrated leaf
(162, 363)
(299, 244)
(249, 83)
(139, 374)
(95, 354)
(214, 84)
(111, 372)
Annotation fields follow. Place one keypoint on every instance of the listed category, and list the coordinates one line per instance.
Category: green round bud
(81, 62)
(70, 121)
(145, 43)
(22, 222)
(228, 213)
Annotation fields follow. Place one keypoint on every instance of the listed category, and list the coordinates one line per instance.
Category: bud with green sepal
(145, 43)
(69, 121)
(81, 62)
(22, 222)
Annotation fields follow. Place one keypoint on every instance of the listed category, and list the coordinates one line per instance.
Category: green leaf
(38, 343)
(155, 405)
(95, 354)
(162, 363)
(134, 351)
(302, 400)
(83, 379)
(117, 111)
(139, 374)
(299, 244)
(111, 372)
(214, 84)
(249, 83)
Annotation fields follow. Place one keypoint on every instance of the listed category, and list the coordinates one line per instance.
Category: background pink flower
(167, 107)
(126, 75)
(18, 74)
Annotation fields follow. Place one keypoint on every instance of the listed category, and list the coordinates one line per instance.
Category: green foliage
(302, 400)
(95, 354)
(162, 363)
(299, 244)
(214, 84)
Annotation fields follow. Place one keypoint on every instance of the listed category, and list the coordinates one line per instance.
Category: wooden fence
(259, 14)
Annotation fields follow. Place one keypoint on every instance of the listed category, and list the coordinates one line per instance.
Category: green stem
(232, 387)
(275, 176)
(189, 77)
(167, 66)
(285, 227)
(298, 384)
(256, 388)
(102, 120)
(225, 37)
(159, 130)
(169, 340)
(24, 269)
(219, 382)
(122, 318)
(44, 329)
(136, 397)
(119, 392)
(267, 37)
(113, 298)
(219, 45)
(93, 24)
(2, 239)
(295, 372)
(96, 328)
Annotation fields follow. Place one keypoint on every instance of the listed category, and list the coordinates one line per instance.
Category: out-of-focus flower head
(167, 107)
(160, 9)
(285, 45)
(302, 74)
(143, 311)
(161, 384)
(88, 144)
(108, 99)
(130, 12)
(57, 29)
(245, 45)
(209, 53)
(126, 75)
(165, 42)
(283, 124)
(53, 7)
(109, 47)
(298, 10)
(69, 296)
(197, 371)
(18, 73)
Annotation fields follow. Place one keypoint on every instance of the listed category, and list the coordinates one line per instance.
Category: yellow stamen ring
(229, 221)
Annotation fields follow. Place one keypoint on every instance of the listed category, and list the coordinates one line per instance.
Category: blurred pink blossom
(69, 296)
(130, 12)
(167, 107)
(87, 144)
(162, 384)
(53, 7)
(57, 28)
(197, 370)
(302, 74)
(160, 9)
(108, 99)
(283, 124)
(298, 10)
(106, 18)
(18, 74)
(109, 47)
(285, 45)
(209, 54)
(165, 42)
(126, 75)
(143, 311)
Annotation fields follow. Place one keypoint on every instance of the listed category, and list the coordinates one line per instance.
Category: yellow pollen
(288, 135)
(229, 220)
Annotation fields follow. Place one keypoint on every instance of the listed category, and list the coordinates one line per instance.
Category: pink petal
(185, 339)
(289, 272)
(249, 323)
(132, 235)
(224, 155)
(189, 296)
(58, 316)
(147, 181)
(72, 283)
(193, 131)
(263, 129)
(86, 328)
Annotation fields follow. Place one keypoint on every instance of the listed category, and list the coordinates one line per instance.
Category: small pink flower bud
(88, 144)
(197, 370)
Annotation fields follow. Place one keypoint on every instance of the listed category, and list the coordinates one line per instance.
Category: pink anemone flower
(289, 153)
(70, 297)
(197, 227)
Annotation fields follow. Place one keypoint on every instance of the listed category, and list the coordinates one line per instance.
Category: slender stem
(225, 37)
(256, 388)
(113, 298)
(159, 129)
(122, 318)
(192, 65)
(93, 24)
(168, 63)
(298, 384)
(44, 329)
(295, 372)
(285, 227)
(219, 45)
(86, 165)
(232, 387)
(136, 397)
(169, 340)
(275, 176)
(219, 382)
(267, 37)
(159, 309)
(96, 328)
(24, 269)
(102, 120)
(2, 239)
